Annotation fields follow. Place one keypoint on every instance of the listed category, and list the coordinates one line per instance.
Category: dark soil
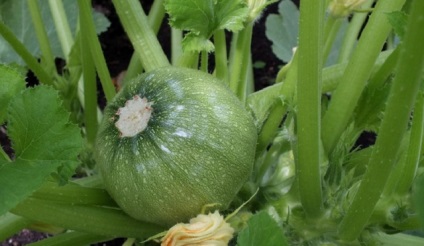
(23, 238)
(118, 50)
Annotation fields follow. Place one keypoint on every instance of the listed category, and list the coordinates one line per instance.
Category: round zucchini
(172, 141)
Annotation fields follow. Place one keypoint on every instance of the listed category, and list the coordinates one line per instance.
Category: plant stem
(72, 238)
(90, 219)
(352, 32)
(32, 63)
(62, 26)
(402, 95)
(383, 73)
(347, 94)
(269, 128)
(331, 77)
(42, 37)
(204, 61)
(221, 66)
(310, 61)
(144, 40)
(332, 27)
(90, 91)
(398, 239)
(74, 194)
(176, 48)
(88, 30)
(155, 18)
(239, 62)
(409, 170)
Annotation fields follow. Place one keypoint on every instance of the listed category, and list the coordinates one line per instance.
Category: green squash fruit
(172, 141)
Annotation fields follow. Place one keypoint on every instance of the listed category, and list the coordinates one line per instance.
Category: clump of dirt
(24, 237)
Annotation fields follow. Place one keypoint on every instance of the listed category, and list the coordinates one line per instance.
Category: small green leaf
(15, 14)
(43, 140)
(11, 83)
(398, 20)
(369, 112)
(263, 230)
(203, 17)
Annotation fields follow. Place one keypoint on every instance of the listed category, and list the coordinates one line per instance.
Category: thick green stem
(332, 27)
(176, 48)
(204, 61)
(71, 239)
(42, 37)
(32, 63)
(189, 59)
(62, 26)
(409, 170)
(91, 219)
(144, 40)
(90, 92)
(401, 99)
(221, 66)
(331, 77)
(269, 128)
(155, 18)
(74, 194)
(311, 37)
(347, 94)
(352, 32)
(378, 79)
(283, 91)
(239, 62)
(88, 30)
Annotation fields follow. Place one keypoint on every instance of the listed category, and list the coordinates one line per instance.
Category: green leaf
(11, 83)
(398, 20)
(263, 230)
(369, 112)
(43, 140)
(282, 29)
(203, 17)
(15, 14)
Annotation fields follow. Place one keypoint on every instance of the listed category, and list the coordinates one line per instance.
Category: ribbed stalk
(91, 219)
(347, 94)
(311, 37)
(88, 30)
(221, 66)
(62, 26)
(42, 37)
(401, 99)
(136, 25)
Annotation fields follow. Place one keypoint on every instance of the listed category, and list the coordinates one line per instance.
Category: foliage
(313, 181)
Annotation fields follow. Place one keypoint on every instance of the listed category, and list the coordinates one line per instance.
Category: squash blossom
(342, 8)
(204, 229)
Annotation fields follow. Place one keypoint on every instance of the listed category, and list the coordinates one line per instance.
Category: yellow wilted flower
(205, 229)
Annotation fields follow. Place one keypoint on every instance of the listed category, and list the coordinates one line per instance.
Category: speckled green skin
(197, 149)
